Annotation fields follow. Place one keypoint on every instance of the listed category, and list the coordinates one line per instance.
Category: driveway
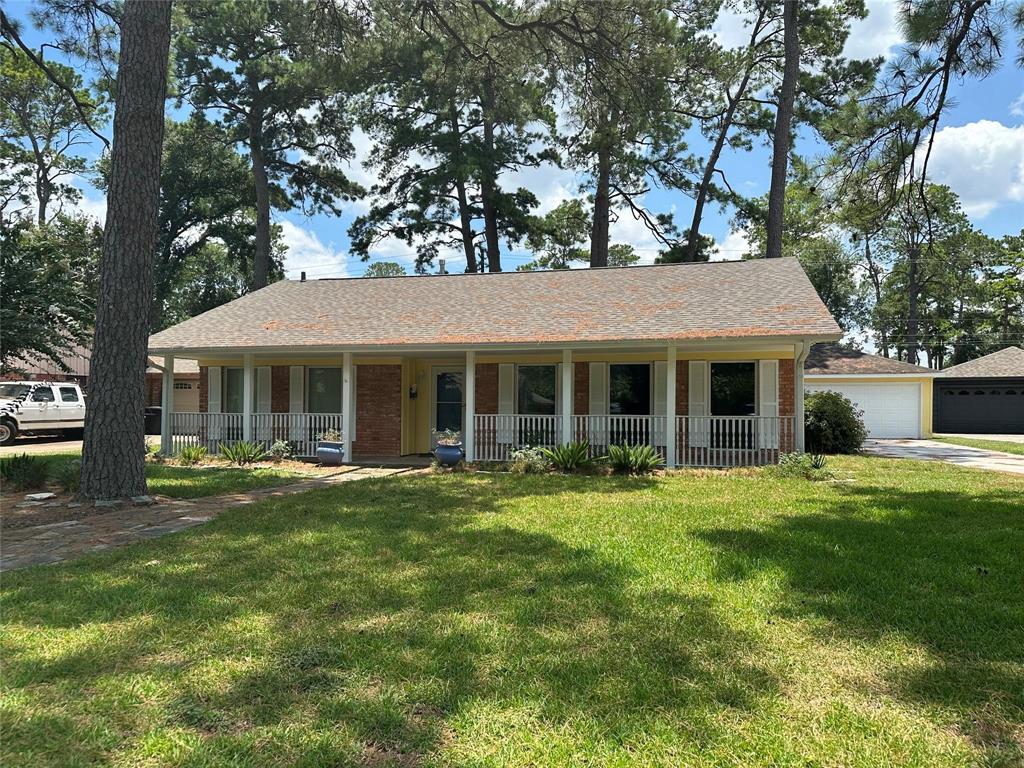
(930, 450)
(50, 444)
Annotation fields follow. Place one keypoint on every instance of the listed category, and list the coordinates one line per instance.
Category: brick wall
(154, 389)
(280, 382)
(682, 387)
(581, 388)
(487, 388)
(378, 411)
(787, 392)
(204, 389)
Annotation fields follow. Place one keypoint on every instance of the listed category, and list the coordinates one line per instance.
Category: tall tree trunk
(261, 259)
(488, 182)
(913, 293)
(783, 125)
(602, 208)
(876, 284)
(113, 463)
(465, 216)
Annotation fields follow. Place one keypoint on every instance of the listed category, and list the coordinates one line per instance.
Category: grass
(481, 620)
(992, 445)
(196, 482)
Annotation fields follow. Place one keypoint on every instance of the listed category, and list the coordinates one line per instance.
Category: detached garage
(896, 397)
(983, 396)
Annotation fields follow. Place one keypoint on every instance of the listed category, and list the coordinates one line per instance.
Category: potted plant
(449, 447)
(330, 450)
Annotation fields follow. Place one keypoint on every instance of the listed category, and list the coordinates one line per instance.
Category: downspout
(803, 349)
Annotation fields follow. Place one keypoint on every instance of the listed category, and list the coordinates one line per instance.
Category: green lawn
(197, 482)
(485, 620)
(992, 445)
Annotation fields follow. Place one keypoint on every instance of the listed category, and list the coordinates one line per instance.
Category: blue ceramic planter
(330, 453)
(448, 455)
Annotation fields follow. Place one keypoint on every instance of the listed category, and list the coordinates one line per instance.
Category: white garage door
(890, 409)
(186, 396)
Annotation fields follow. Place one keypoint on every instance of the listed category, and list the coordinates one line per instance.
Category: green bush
(570, 457)
(242, 452)
(525, 461)
(69, 475)
(832, 423)
(634, 459)
(805, 465)
(191, 455)
(280, 450)
(23, 472)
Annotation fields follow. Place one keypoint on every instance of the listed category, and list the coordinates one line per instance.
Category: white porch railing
(733, 441)
(208, 429)
(497, 434)
(602, 431)
(701, 441)
(212, 429)
(301, 430)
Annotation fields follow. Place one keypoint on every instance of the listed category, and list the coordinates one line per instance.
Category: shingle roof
(838, 360)
(757, 298)
(1005, 362)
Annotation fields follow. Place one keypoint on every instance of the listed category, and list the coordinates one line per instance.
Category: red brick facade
(787, 392)
(154, 389)
(204, 389)
(280, 387)
(581, 388)
(487, 388)
(378, 410)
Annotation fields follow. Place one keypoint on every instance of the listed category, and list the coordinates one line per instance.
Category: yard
(701, 619)
(1005, 446)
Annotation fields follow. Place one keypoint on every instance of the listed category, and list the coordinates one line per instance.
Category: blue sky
(979, 152)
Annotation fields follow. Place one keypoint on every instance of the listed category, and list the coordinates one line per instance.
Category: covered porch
(709, 404)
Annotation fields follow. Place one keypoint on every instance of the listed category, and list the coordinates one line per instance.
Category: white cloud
(93, 205)
(732, 248)
(877, 34)
(731, 29)
(1017, 107)
(306, 252)
(983, 162)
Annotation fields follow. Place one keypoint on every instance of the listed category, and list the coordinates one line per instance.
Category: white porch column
(469, 430)
(248, 385)
(802, 350)
(567, 373)
(670, 408)
(347, 417)
(167, 406)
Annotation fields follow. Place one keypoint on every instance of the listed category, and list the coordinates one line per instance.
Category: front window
(629, 389)
(733, 389)
(324, 390)
(537, 388)
(12, 391)
(234, 388)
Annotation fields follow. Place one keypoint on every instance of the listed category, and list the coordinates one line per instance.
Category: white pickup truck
(39, 406)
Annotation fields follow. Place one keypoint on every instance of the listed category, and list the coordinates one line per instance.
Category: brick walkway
(127, 524)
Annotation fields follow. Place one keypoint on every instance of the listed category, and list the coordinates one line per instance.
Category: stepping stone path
(119, 524)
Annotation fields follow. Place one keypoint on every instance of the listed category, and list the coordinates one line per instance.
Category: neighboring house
(76, 359)
(895, 397)
(983, 396)
(703, 361)
(186, 384)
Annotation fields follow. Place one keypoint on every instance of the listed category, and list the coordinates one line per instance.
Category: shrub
(280, 450)
(808, 466)
(69, 475)
(329, 436)
(634, 459)
(23, 472)
(525, 461)
(833, 423)
(242, 452)
(569, 457)
(191, 455)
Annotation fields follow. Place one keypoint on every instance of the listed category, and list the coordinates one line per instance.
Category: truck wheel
(8, 431)
(75, 433)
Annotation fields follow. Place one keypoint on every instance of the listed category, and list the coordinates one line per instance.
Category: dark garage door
(980, 407)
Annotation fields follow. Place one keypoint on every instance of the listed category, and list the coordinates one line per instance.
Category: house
(186, 384)
(895, 397)
(982, 396)
(703, 361)
(75, 368)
